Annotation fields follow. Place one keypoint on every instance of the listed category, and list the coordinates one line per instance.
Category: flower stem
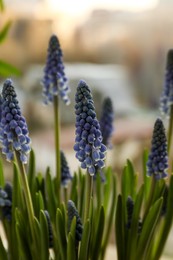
(170, 128)
(151, 194)
(26, 194)
(57, 146)
(88, 195)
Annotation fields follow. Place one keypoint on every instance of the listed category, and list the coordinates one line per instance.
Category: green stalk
(26, 194)
(88, 195)
(170, 128)
(57, 146)
(151, 194)
(65, 194)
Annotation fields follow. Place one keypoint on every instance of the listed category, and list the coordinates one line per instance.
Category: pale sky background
(78, 7)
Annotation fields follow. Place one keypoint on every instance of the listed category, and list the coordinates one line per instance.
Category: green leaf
(83, 254)
(71, 253)
(129, 178)
(109, 217)
(82, 183)
(133, 233)
(8, 70)
(3, 252)
(4, 31)
(71, 243)
(107, 188)
(39, 203)
(44, 236)
(2, 181)
(147, 179)
(1, 5)
(74, 193)
(51, 197)
(148, 229)
(99, 234)
(61, 235)
(119, 229)
(22, 237)
(168, 218)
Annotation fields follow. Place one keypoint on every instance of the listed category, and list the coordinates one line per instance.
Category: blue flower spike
(13, 127)
(167, 94)
(106, 121)
(73, 212)
(157, 164)
(65, 171)
(90, 151)
(54, 80)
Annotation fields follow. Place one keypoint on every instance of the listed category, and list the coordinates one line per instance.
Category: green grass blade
(4, 31)
(148, 228)
(119, 229)
(168, 218)
(83, 253)
(44, 236)
(2, 180)
(61, 235)
(7, 70)
(3, 252)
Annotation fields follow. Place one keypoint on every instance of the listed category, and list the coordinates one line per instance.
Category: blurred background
(118, 46)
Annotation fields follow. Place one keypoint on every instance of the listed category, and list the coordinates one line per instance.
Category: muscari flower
(130, 207)
(167, 94)
(13, 127)
(54, 80)
(72, 212)
(6, 201)
(50, 231)
(158, 158)
(7, 208)
(106, 121)
(65, 171)
(88, 143)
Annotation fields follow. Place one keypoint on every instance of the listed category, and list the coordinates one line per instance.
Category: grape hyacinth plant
(106, 121)
(55, 85)
(64, 215)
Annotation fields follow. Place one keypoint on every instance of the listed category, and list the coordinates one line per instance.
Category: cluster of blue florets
(13, 127)
(55, 81)
(158, 158)
(106, 121)
(167, 94)
(65, 171)
(50, 231)
(6, 201)
(73, 212)
(88, 143)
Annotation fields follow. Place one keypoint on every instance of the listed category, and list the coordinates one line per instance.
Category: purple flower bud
(65, 171)
(166, 99)
(158, 164)
(106, 121)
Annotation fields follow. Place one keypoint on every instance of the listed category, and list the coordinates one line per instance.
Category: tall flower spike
(106, 121)
(72, 212)
(167, 94)
(88, 143)
(130, 207)
(54, 80)
(158, 158)
(13, 127)
(65, 171)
